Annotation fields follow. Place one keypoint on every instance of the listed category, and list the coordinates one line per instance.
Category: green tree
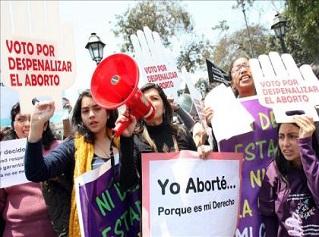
(237, 44)
(165, 17)
(302, 35)
(303, 30)
(168, 18)
(194, 55)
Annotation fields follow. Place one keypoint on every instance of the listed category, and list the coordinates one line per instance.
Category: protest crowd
(278, 187)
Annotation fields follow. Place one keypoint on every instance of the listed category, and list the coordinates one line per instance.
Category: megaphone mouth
(115, 79)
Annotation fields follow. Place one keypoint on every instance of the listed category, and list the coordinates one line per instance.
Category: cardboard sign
(12, 162)
(179, 190)
(259, 148)
(103, 208)
(156, 63)
(285, 88)
(230, 117)
(37, 53)
(216, 74)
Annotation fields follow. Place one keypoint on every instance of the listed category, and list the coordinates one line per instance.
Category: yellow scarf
(83, 156)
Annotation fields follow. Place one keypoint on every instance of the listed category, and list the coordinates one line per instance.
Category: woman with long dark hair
(156, 135)
(289, 196)
(90, 147)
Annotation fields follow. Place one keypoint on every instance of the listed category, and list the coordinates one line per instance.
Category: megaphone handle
(121, 126)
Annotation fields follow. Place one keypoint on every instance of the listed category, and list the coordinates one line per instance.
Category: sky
(99, 16)
(86, 17)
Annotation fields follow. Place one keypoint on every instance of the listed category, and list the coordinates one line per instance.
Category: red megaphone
(114, 83)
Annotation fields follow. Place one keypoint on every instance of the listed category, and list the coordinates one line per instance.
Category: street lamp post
(95, 47)
(279, 27)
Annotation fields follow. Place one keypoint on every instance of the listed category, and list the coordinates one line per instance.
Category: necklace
(102, 149)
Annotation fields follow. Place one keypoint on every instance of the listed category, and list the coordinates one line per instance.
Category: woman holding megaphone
(90, 147)
(158, 134)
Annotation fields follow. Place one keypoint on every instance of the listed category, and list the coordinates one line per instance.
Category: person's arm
(128, 170)
(67, 128)
(267, 198)
(129, 177)
(60, 160)
(186, 118)
(310, 164)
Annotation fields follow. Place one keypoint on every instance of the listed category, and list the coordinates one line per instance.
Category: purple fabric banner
(259, 148)
(106, 210)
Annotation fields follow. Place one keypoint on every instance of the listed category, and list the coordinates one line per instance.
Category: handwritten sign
(12, 162)
(103, 208)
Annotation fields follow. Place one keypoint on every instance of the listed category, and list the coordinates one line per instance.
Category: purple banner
(106, 210)
(259, 148)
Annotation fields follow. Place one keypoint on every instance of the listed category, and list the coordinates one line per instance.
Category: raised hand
(284, 87)
(156, 63)
(37, 53)
(43, 111)
(306, 125)
(208, 113)
(129, 119)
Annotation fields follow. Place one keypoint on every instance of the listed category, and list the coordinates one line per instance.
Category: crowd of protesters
(47, 207)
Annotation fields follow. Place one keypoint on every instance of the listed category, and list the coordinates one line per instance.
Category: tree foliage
(194, 55)
(242, 3)
(302, 35)
(303, 30)
(168, 18)
(165, 17)
(237, 44)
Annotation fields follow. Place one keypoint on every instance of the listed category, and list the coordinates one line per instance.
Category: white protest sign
(179, 190)
(37, 51)
(12, 162)
(156, 63)
(285, 88)
(230, 117)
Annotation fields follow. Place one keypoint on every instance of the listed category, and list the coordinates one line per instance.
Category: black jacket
(132, 147)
